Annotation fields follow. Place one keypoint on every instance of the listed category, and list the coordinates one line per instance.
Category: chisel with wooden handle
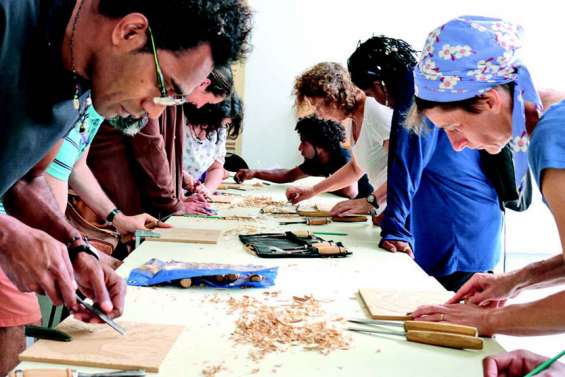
(441, 339)
(424, 326)
(309, 221)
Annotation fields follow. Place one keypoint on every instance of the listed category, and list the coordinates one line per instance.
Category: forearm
(546, 273)
(275, 175)
(347, 175)
(348, 191)
(541, 317)
(214, 176)
(32, 202)
(85, 184)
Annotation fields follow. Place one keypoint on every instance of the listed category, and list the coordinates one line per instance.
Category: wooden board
(206, 236)
(145, 346)
(395, 304)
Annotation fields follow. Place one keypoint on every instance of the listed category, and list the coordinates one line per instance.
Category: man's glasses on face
(164, 99)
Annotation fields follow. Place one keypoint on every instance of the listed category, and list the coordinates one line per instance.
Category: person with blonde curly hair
(326, 89)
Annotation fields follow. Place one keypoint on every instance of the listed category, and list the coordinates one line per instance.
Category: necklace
(83, 113)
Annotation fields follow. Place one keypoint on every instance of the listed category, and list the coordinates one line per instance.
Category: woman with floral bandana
(428, 180)
(471, 83)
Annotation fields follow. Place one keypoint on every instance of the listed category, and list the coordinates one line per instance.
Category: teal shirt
(74, 145)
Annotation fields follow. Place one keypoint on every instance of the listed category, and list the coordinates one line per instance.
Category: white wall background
(292, 35)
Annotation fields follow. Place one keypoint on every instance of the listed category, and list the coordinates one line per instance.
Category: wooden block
(395, 304)
(145, 346)
(205, 236)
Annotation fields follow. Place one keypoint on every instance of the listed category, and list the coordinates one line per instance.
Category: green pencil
(204, 216)
(331, 234)
(546, 364)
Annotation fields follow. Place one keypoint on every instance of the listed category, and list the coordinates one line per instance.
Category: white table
(206, 340)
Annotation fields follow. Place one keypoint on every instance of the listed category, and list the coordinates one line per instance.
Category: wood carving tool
(98, 313)
(428, 333)
(423, 326)
(310, 221)
(39, 332)
(73, 373)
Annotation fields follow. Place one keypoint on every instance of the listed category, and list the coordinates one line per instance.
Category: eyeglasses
(164, 99)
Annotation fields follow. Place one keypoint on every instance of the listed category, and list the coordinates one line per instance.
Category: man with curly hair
(321, 146)
(58, 57)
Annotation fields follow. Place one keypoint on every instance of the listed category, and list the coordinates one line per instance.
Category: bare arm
(31, 201)
(345, 176)
(85, 184)
(214, 176)
(274, 175)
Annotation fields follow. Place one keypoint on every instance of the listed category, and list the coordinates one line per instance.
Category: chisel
(441, 339)
(423, 326)
(310, 221)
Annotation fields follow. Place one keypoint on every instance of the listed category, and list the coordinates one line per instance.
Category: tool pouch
(290, 245)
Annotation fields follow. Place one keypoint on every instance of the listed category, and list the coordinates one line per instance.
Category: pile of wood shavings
(277, 328)
(259, 202)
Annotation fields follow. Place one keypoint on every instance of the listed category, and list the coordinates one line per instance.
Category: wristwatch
(85, 247)
(372, 200)
(112, 215)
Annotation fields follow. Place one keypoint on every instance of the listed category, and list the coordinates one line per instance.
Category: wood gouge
(434, 338)
(423, 326)
(309, 221)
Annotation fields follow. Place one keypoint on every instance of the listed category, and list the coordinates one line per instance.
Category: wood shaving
(259, 201)
(268, 328)
(212, 370)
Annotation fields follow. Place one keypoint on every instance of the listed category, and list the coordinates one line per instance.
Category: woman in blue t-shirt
(470, 82)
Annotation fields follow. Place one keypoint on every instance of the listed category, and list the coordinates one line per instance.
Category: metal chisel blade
(101, 315)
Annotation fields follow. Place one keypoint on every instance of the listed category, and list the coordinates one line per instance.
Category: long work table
(207, 341)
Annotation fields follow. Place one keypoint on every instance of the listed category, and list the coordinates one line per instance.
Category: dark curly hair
(180, 25)
(212, 115)
(381, 59)
(321, 133)
(329, 81)
(221, 81)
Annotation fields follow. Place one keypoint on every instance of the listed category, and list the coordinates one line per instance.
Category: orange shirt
(16, 308)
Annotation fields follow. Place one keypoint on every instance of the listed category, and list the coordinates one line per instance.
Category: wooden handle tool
(441, 339)
(451, 328)
(445, 339)
(42, 373)
(326, 248)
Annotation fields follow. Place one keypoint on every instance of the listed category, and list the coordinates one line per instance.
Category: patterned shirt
(199, 154)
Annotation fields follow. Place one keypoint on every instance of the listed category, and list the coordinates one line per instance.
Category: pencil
(546, 364)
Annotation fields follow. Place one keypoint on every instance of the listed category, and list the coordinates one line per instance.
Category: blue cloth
(547, 147)
(439, 200)
(470, 55)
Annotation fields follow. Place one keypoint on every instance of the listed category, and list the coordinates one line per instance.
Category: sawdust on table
(212, 370)
(259, 201)
(276, 328)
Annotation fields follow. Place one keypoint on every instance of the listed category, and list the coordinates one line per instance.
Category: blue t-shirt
(547, 142)
(439, 200)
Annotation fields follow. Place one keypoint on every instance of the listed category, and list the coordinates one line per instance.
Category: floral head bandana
(470, 55)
